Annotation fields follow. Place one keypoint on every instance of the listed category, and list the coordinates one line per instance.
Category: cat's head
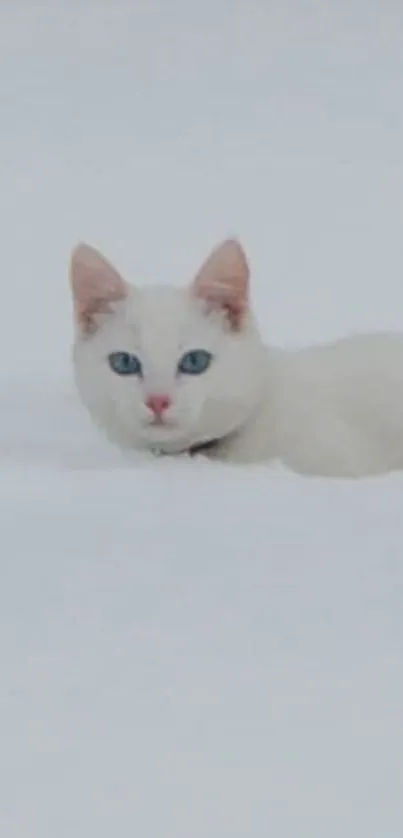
(163, 367)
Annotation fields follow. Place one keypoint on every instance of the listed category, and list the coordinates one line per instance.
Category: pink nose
(158, 403)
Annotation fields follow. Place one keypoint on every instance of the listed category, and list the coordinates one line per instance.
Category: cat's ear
(95, 285)
(223, 282)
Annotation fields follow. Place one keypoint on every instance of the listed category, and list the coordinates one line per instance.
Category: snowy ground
(190, 650)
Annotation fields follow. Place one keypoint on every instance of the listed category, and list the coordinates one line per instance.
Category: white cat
(176, 370)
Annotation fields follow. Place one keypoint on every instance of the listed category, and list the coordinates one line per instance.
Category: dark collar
(193, 450)
(203, 447)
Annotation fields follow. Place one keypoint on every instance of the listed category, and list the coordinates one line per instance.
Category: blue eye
(123, 363)
(195, 362)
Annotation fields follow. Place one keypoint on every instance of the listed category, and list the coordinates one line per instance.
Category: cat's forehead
(165, 313)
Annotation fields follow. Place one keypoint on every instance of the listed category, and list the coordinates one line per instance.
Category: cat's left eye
(124, 363)
(195, 362)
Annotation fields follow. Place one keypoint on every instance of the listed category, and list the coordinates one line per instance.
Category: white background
(193, 650)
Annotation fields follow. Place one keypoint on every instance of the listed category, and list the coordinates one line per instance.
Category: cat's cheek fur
(104, 397)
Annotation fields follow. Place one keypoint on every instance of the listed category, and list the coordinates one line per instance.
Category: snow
(190, 649)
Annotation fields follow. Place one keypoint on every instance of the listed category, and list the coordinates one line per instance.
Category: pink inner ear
(223, 281)
(95, 284)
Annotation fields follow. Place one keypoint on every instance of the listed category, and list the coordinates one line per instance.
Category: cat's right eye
(124, 363)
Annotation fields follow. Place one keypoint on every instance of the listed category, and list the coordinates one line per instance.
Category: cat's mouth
(161, 429)
(159, 423)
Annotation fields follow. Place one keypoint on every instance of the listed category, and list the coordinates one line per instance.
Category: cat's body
(334, 409)
(176, 370)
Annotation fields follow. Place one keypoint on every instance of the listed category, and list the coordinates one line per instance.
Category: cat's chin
(168, 438)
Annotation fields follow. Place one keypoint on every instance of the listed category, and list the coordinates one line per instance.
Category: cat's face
(166, 368)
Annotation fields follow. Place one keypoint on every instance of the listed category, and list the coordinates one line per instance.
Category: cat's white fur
(334, 409)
